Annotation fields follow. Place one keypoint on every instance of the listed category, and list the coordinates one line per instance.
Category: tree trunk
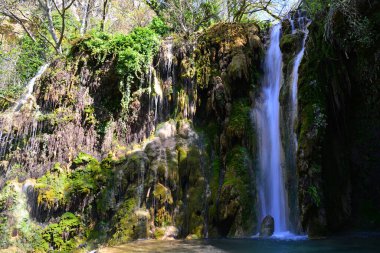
(51, 25)
(104, 14)
(86, 14)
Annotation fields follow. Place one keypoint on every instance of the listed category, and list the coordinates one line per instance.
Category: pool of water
(358, 243)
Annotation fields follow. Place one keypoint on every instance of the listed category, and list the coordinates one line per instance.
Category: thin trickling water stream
(303, 23)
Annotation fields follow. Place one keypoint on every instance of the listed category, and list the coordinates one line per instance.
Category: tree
(187, 16)
(27, 14)
(238, 9)
(15, 11)
(104, 14)
(84, 9)
(61, 8)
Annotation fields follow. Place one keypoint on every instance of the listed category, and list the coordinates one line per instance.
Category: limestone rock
(171, 233)
(141, 226)
(167, 130)
(184, 130)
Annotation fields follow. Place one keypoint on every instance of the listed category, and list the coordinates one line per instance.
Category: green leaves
(159, 26)
(133, 51)
(61, 236)
(314, 195)
(30, 59)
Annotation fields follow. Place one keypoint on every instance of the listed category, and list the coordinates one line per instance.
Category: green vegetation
(61, 236)
(134, 51)
(7, 198)
(60, 187)
(239, 125)
(52, 189)
(237, 194)
(124, 221)
(187, 17)
(9, 94)
(313, 193)
(32, 56)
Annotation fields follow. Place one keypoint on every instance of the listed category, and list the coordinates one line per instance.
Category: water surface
(360, 243)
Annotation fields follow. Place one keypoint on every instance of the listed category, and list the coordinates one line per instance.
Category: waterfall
(169, 57)
(271, 187)
(13, 119)
(30, 87)
(272, 159)
(303, 23)
(289, 114)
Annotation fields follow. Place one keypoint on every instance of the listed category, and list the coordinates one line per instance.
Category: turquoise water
(359, 243)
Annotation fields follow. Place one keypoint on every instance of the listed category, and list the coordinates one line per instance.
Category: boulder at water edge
(267, 226)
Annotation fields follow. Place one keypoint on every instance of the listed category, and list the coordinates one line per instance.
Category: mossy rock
(124, 223)
(162, 194)
(238, 68)
(290, 45)
(237, 195)
(83, 159)
(239, 125)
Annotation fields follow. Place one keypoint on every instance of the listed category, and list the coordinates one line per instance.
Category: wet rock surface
(267, 226)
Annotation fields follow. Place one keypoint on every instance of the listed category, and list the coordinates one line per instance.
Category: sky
(286, 4)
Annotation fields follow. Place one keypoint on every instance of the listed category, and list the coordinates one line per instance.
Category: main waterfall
(277, 145)
(271, 187)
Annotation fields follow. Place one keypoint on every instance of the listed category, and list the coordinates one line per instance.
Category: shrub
(61, 236)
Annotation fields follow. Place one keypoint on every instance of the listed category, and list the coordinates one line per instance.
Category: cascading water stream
(303, 23)
(30, 87)
(266, 114)
(272, 193)
(8, 138)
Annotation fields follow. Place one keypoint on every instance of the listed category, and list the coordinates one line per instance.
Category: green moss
(291, 43)
(88, 179)
(7, 200)
(238, 67)
(124, 222)
(51, 189)
(83, 158)
(62, 187)
(162, 194)
(237, 194)
(239, 125)
(89, 115)
(159, 233)
(314, 195)
(162, 218)
(182, 154)
(62, 236)
(61, 115)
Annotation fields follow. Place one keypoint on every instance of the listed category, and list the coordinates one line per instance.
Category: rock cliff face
(93, 157)
(337, 124)
(181, 154)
